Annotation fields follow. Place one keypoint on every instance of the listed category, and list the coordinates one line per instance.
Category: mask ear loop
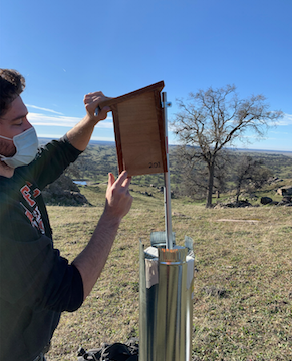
(1, 155)
(2, 136)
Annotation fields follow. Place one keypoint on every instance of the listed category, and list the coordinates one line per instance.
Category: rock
(274, 180)
(239, 204)
(78, 197)
(243, 204)
(215, 291)
(63, 191)
(285, 191)
(286, 201)
(61, 184)
(146, 194)
(266, 200)
(223, 205)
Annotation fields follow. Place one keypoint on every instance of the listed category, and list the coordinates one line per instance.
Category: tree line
(233, 171)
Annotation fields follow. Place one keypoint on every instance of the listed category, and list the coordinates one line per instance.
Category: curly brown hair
(12, 83)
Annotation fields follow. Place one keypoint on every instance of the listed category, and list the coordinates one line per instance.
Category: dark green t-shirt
(36, 283)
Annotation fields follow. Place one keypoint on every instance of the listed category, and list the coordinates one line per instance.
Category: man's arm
(91, 260)
(80, 134)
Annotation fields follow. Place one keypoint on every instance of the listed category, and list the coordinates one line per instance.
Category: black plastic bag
(115, 352)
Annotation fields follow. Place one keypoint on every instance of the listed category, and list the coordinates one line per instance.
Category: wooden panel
(138, 120)
(150, 88)
(139, 131)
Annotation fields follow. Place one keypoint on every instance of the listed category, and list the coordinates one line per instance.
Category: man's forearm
(92, 259)
(79, 136)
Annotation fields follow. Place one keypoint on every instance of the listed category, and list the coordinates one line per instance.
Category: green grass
(243, 278)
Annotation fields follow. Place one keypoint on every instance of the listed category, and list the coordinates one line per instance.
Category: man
(37, 284)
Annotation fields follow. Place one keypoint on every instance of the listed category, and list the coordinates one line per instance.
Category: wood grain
(139, 130)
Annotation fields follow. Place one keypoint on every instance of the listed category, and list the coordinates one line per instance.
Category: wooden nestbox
(139, 128)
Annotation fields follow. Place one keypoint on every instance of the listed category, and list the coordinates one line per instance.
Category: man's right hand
(118, 198)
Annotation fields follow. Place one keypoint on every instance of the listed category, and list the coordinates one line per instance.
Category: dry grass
(243, 283)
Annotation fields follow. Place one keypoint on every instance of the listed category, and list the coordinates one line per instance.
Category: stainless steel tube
(166, 307)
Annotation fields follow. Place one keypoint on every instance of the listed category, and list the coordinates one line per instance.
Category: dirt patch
(238, 220)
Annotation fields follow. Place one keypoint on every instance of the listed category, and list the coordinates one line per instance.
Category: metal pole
(167, 191)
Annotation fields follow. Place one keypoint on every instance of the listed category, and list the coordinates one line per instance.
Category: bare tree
(214, 118)
(194, 182)
(221, 173)
(249, 171)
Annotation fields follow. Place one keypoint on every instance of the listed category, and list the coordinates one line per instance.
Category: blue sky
(67, 49)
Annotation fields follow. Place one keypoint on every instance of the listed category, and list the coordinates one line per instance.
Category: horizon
(112, 142)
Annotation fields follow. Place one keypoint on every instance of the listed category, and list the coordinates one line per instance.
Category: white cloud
(286, 120)
(56, 136)
(62, 121)
(108, 139)
(50, 135)
(276, 132)
(45, 109)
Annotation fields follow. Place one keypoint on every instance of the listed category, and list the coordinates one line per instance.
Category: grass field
(243, 278)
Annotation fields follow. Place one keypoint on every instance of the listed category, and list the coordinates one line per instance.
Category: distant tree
(194, 182)
(75, 170)
(249, 171)
(221, 173)
(213, 119)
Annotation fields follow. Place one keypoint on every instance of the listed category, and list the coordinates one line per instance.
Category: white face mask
(26, 144)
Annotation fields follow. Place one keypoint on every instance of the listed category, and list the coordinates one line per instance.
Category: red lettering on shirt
(26, 195)
(38, 218)
(34, 215)
(32, 219)
(36, 193)
(28, 214)
(35, 218)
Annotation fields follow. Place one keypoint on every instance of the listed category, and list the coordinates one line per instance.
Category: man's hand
(118, 198)
(80, 134)
(91, 102)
